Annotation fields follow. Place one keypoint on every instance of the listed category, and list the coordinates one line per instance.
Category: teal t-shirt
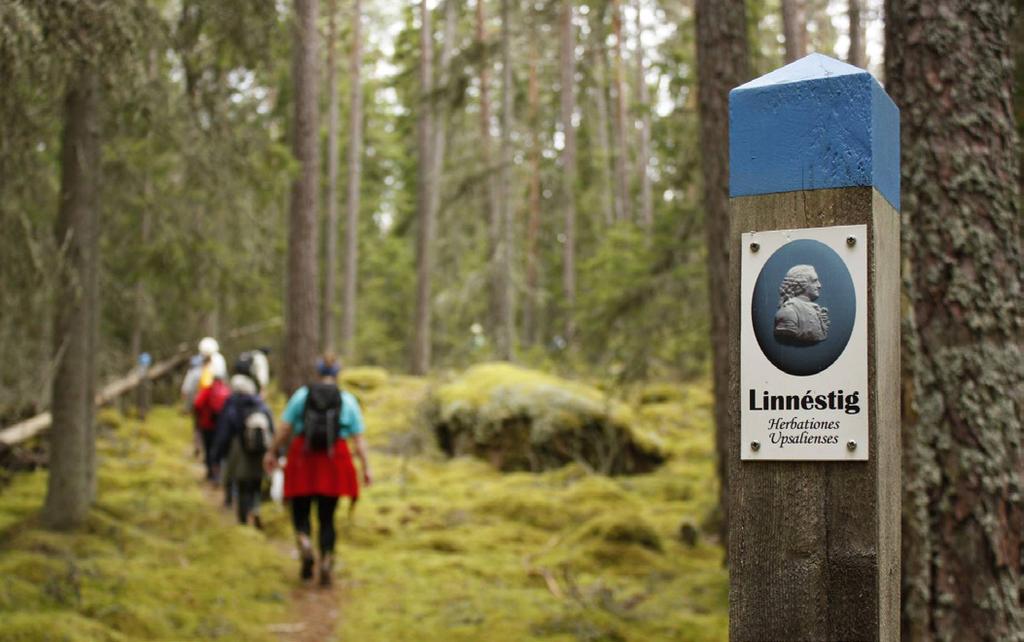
(350, 421)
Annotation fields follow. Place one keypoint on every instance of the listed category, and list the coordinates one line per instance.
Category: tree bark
(331, 196)
(623, 210)
(722, 63)
(355, 174)
(568, 108)
(71, 485)
(794, 29)
(301, 338)
(506, 313)
(490, 187)
(644, 155)
(600, 91)
(857, 55)
(949, 70)
(424, 198)
(533, 205)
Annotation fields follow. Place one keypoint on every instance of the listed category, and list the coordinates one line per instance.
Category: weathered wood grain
(814, 546)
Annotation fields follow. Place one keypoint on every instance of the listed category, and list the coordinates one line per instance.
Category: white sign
(804, 344)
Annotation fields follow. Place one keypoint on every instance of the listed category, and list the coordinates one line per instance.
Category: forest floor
(437, 550)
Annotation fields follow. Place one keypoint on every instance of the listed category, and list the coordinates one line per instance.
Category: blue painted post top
(816, 123)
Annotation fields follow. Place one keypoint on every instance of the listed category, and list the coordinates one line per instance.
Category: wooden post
(814, 531)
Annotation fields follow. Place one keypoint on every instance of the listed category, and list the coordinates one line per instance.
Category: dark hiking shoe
(325, 571)
(257, 523)
(306, 571)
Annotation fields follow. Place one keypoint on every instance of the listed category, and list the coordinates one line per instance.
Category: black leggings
(325, 507)
(208, 436)
(248, 498)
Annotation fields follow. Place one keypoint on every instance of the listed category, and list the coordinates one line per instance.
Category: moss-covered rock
(520, 419)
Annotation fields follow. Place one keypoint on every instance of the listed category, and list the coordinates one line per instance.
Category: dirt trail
(314, 610)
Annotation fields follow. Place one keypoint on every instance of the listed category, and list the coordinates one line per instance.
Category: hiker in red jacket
(208, 403)
(319, 468)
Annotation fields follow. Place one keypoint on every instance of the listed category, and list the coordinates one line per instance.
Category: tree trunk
(722, 63)
(568, 108)
(600, 89)
(442, 88)
(331, 196)
(622, 193)
(71, 484)
(948, 69)
(355, 173)
(533, 205)
(424, 198)
(301, 314)
(857, 55)
(139, 319)
(644, 159)
(506, 314)
(490, 188)
(794, 29)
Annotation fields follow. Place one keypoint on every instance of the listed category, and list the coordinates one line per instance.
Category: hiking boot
(306, 570)
(325, 570)
(306, 555)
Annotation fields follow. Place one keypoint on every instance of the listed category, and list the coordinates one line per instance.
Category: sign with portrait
(803, 344)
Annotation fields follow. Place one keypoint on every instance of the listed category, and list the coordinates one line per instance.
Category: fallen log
(29, 428)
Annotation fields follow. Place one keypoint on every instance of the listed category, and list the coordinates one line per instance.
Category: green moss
(153, 561)
(437, 550)
(363, 378)
(520, 419)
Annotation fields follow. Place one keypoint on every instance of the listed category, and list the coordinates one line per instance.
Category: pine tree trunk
(568, 107)
(857, 55)
(600, 92)
(424, 198)
(301, 338)
(722, 63)
(355, 174)
(71, 484)
(331, 196)
(533, 205)
(794, 29)
(441, 115)
(506, 314)
(948, 69)
(490, 186)
(644, 155)
(623, 211)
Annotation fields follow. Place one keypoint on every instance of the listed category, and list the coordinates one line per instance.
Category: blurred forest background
(428, 186)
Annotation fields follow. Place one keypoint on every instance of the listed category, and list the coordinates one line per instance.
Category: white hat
(208, 346)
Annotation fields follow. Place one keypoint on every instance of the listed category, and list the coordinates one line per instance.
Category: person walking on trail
(245, 430)
(319, 468)
(207, 407)
(189, 390)
(209, 397)
(255, 364)
(214, 366)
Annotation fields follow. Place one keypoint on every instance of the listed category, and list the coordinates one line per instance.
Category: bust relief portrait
(800, 321)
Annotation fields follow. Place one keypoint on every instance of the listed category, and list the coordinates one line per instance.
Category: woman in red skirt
(319, 470)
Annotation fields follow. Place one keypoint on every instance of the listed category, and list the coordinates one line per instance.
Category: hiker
(207, 407)
(214, 365)
(255, 364)
(189, 390)
(319, 468)
(244, 433)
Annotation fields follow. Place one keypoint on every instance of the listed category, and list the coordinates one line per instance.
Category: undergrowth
(154, 562)
(438, 550)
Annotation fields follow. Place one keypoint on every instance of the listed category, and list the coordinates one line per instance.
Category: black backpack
(321, 415)
(243, 365)
(255, 428)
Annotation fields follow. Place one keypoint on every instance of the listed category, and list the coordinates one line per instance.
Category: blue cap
(816, 123)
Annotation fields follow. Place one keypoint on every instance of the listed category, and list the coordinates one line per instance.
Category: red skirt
(319, 473)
